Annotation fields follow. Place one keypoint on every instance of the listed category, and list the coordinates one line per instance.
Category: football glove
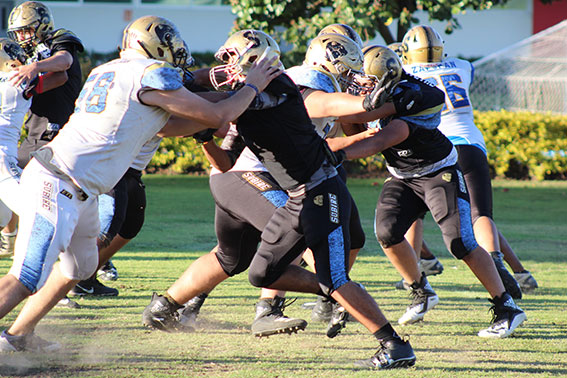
(204, 135)
(381, 93)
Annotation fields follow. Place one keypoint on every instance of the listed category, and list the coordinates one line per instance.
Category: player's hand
(262, 72)
(24, 74)
(381, 93)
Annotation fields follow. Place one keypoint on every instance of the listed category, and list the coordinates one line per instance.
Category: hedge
(521, 145)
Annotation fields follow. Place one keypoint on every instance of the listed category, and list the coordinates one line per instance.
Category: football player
(423, 55)
(278, 130)
(424, 177)
(16, 101)
(122, 105)
(30, 24)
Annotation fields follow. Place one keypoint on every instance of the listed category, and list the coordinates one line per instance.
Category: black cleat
(510, 283)
(270, 319)
(507, 316)
(338, 321)
(393, 353)
(161, 314)
(323, 310)
(188, 313)
(94, 287)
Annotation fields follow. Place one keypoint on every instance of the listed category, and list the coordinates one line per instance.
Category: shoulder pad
(162, 76)
(311, 78)
(61, 36)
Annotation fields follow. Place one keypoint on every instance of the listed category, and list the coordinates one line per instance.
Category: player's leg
(10, 203)
(474, 166)
(453, 217)
(397, 209)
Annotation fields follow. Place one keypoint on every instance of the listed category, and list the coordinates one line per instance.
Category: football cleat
(26, 343)
(323, 310)
(338, 321)
(270, 319)
(526, 281)
(424, 299)
(107, 272)
(506, 317)
(67, 303)
(431, 267)
(7, 243)
(402, 285)
(188, 313)
(510, 283)
(162, 315)
(393, 353)
(93, 287)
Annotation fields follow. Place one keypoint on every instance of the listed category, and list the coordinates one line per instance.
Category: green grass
(105, 337)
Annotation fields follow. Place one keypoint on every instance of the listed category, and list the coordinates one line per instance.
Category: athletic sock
(386, 333)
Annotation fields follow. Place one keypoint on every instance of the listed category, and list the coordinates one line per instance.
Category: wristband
(39, 87)
(253, 87)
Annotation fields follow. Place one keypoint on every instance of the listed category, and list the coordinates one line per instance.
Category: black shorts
(443, 193)
(474, 166)
(318, 219)
(122, 210)
(245, 202)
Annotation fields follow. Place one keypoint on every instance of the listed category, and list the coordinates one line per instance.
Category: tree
(294, 22)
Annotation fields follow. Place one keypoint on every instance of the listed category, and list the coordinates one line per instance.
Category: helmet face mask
(157, 38)
(335, 55)
(240, 51)
(29, 23)
(422, 44)
(381, 65)
(11, 55)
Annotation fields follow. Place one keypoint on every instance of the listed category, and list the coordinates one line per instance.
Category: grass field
(105, 337)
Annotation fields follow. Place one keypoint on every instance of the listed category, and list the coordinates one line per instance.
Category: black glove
(204, 136)
(381, 93)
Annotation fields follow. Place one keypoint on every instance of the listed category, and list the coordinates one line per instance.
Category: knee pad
(230, 263)
(458, 249)
(387, 235)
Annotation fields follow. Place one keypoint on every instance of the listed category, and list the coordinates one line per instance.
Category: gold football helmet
(422, 44)
(335, 55)
(397, 48)
(382, 64)
(29, 23)
(157, 38)
(238, 53)
(11, 55)
(343, 29)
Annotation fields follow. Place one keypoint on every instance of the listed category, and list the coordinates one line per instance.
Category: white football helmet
(11, 55)
(29, 23)
(238, 53)
(422, 44)
(335, 55)
(157, 38)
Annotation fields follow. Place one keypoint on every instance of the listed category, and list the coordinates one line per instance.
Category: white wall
(205, 28)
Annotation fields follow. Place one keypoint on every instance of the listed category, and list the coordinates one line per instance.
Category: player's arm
(341, 142)
(383, 111)
(352, 128)
(60, 61)
(45, 82)
(321, 104)
(392, 134)
(218, 157)
(184, 104)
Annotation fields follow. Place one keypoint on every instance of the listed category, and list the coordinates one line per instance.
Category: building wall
(205, 28)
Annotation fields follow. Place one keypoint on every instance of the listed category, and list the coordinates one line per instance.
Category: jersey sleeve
(64, 40)
(162, 76)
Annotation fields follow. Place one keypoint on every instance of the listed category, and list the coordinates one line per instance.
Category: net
(530, 75)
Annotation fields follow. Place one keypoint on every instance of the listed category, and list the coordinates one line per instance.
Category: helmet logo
(254, 41)
(335, 50)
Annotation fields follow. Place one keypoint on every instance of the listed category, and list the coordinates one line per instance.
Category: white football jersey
(453, 76)
(146, 153)
(13, 107)
(110, 125)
